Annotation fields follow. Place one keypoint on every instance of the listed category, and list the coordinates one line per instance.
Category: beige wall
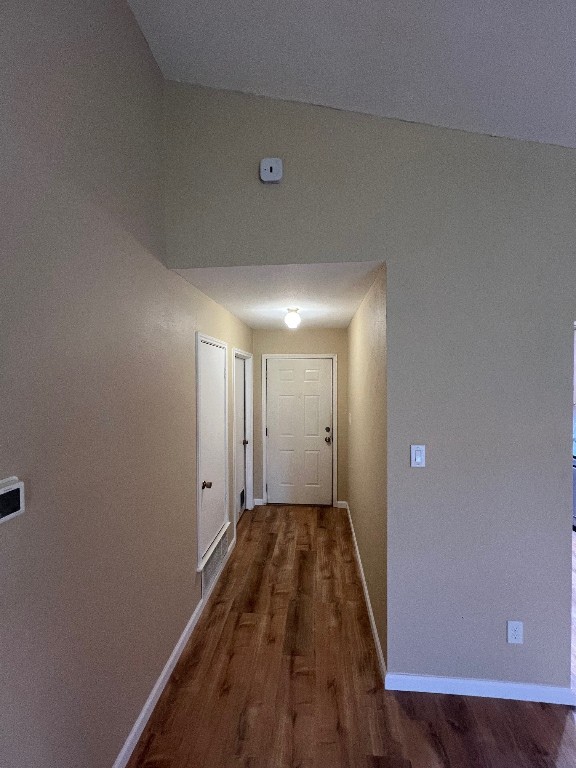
(478, 235)
(303, 341)
(97, 402)
(97, 373)
(367, 461)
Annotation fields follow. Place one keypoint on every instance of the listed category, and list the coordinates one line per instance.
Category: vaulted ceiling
(502, 67)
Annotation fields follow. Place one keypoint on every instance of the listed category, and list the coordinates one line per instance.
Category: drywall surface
(97, 394)
(479, 237)
(367, 463)
(329, 341)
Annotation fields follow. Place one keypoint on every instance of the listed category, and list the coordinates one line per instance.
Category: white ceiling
(327, 295)
(502, 67)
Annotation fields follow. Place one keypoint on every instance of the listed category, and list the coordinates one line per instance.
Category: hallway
(282, 671)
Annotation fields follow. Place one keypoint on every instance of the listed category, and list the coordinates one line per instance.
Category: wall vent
(213, 565)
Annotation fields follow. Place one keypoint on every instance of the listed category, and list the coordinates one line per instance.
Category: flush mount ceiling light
(292, 318)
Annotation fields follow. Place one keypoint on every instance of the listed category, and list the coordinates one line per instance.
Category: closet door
(212, 443)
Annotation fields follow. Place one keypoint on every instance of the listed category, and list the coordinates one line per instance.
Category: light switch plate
(417, 455)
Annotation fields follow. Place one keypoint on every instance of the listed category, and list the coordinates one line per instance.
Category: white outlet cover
(515, 632)
(271, 170)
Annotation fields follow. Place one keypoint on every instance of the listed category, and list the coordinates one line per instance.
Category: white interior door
(299, 424)
(212, 448)
(239, 436)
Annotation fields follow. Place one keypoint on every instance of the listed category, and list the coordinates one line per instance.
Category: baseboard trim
(258, 502)
(379, 652)
(493, 689)
(152, 700)
(156, 692)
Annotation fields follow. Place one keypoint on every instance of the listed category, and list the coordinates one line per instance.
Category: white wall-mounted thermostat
(11, 498)
(271, 170)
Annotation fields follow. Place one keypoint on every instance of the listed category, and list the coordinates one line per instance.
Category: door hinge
(266, 431)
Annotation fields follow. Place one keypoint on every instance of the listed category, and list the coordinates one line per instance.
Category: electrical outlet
(515, 632)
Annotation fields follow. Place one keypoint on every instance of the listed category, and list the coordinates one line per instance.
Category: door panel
(311, 415)
(299, 410)
(287, 415)
(312, 468)
(212, 449)
(287, 469)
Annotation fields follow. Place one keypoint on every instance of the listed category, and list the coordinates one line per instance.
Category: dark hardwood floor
(574, 610)
(281, 672)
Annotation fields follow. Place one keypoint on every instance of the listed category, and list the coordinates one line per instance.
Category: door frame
(202, 560)
(249, 419)
(300, 356)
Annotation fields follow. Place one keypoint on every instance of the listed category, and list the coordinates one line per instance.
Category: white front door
(299, 424)
(212, 448)
(239, 436)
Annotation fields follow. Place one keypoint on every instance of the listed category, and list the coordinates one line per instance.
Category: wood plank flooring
(281, 672)
(574, 609)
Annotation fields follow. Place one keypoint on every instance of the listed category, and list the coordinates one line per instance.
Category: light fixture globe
(292, 318)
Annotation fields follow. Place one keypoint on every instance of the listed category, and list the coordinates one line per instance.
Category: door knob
(328, 439)
(206, 484)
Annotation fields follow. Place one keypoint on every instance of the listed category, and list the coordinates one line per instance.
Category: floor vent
(213, 565)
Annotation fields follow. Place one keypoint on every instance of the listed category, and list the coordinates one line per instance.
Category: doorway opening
(243, 434)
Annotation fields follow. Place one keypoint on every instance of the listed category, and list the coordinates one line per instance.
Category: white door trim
(201, 337)
(309, 356)
(249, 398)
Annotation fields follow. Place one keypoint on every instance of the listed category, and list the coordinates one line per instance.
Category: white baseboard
(258, 502)
(379, 652)
(156, 692)
(493, 689)
(152, 700)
